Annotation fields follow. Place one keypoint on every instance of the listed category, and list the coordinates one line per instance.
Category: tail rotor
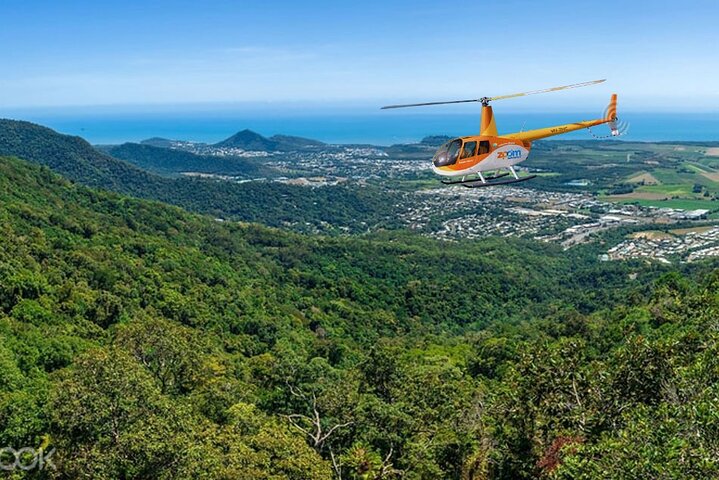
(617, 127)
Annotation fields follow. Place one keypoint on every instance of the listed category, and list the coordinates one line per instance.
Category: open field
(669, 234)
(607, 163)
(635, 195)
(696, 167)
(682, 176)
(668, 190)
(652, 235)
(645, 177)
(684, 204)
(703, 170)
(684, 231)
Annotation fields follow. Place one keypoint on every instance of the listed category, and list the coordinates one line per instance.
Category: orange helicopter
(466, 157)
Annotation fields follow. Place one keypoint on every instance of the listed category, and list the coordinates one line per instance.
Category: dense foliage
(172, 162)
(329, 209)
(140, 341)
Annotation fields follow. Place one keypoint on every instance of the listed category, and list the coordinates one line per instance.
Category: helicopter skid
(479, 183)
(489, 178)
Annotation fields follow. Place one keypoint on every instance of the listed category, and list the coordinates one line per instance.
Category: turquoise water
(380, 128)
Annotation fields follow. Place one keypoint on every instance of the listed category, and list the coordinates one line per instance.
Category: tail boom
(538, 134)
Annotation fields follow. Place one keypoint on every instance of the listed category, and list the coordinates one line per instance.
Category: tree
(317, 430)
(110, 420)
(170, 352)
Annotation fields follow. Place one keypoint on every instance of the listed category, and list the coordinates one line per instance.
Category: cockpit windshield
(447, 153)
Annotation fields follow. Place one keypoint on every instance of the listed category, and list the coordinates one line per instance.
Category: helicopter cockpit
(448, 153)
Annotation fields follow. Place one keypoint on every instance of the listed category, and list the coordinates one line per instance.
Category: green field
(652, 174)
(681, 203)
(668, 189)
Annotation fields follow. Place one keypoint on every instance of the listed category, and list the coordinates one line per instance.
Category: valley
(575, 200)
(372, 303)
(227, 251)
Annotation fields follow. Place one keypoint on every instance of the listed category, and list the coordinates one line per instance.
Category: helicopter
(469, 160)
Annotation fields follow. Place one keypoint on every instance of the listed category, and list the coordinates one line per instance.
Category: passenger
(469, 149)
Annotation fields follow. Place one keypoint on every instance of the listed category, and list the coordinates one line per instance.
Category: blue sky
(659, 55)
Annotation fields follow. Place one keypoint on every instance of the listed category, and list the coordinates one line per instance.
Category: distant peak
(247, 140)
(250, 140)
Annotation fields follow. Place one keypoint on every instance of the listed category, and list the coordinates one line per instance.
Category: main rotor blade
(429, 103)
(554, 89)
(484, 100)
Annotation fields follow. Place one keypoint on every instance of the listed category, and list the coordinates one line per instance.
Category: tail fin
(611, 116)
(612, 108)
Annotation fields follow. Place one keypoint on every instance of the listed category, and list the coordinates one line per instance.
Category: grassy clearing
(680, 203)
(696, 167)
(643, 177)
(667, 190)
(684, 231)
(635, 195)
(669, 175)
(713, 176)
(705, 171)
(652, 235)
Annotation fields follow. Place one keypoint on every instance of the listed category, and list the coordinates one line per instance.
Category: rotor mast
(487, 124)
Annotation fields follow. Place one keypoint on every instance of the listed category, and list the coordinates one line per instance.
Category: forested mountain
(289, 142)
(167, 161)
(267, 202)
(249, 140)
(74, 158)
(141, 341)
(158, 142)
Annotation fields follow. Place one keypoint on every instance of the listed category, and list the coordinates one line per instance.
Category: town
(684, 245)
(453, 213)
(568, 219)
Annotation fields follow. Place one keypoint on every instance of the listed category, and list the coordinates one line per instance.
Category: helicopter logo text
(510, 154)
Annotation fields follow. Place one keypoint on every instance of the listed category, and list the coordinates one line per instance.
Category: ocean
(380, 128)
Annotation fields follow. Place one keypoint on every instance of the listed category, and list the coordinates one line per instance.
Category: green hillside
(74, 158)
(140, 341)
(331, 209)
(166, 161)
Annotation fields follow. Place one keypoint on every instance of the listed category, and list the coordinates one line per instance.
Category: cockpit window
(469, 149)
(483, 147)
(448, 153)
